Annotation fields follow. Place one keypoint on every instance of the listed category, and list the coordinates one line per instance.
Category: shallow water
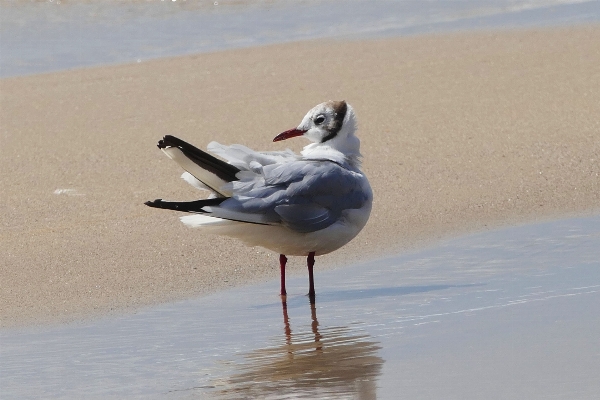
(507, 314)
(42, 36)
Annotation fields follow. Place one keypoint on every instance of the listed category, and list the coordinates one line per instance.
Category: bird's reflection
(319, 362)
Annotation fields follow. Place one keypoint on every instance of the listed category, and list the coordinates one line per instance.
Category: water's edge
(38, 37)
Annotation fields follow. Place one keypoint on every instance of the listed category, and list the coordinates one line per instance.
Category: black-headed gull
(300, 205)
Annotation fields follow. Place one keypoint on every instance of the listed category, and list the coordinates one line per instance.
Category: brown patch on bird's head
(339, 108)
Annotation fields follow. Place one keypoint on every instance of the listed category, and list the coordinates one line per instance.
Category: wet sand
(506, 314)
(460, 132)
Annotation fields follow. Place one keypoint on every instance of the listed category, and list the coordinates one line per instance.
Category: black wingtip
(172, 141)
(165, 142)
(186, 206)
(223, 170)
(156, 203)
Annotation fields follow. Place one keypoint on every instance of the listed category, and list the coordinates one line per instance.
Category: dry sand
(459, 131)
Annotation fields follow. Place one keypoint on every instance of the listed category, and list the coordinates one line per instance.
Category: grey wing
(305, 196)
(247, 159)
(320, 197)
(305, 218)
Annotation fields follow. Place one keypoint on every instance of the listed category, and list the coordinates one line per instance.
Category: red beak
(288, 134)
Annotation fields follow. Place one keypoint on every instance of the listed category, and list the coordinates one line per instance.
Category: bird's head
(325, 122)
(330, 126)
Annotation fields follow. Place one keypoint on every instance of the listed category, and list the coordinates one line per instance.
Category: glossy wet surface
(42, 36)
(507, 314)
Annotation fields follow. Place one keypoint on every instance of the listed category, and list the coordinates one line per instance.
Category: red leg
(282, 262)
(310, 262)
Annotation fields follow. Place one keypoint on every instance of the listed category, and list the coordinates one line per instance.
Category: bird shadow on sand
(365, 294)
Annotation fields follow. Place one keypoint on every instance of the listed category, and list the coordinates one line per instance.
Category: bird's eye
(320, 119)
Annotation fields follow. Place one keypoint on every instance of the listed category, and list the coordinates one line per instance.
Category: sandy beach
(460, 132)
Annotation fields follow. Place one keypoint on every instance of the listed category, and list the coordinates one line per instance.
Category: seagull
(306, 204)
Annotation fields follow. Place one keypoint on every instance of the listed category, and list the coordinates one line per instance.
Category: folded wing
(273, 188)
(304, 196)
